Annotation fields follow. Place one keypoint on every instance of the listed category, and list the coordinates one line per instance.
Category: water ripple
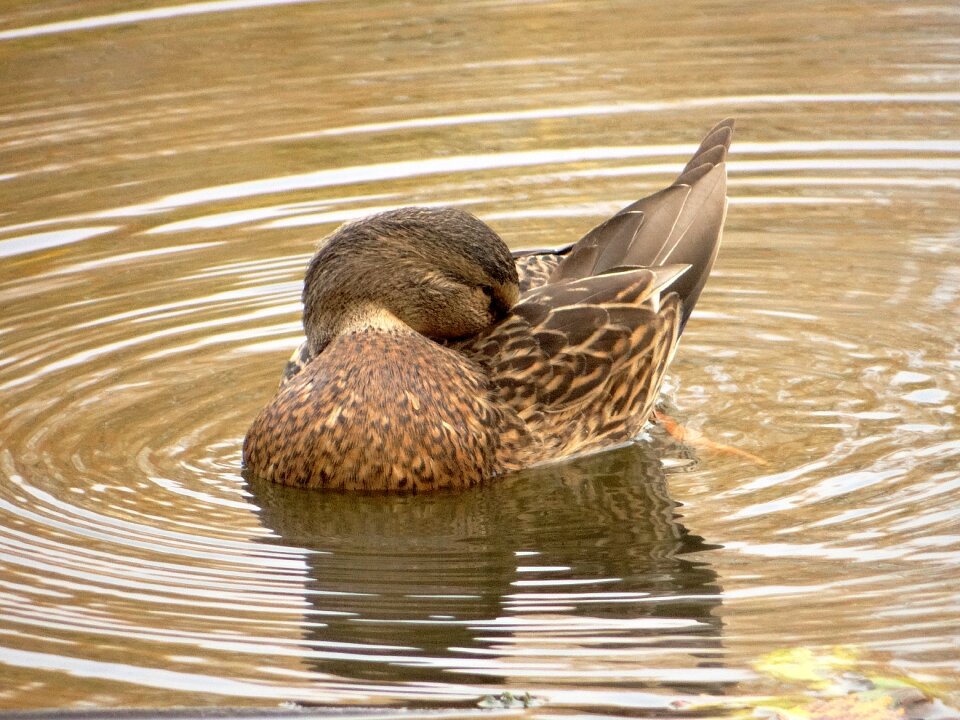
(145, 323)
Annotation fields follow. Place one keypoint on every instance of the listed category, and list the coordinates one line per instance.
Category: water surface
(164, 173)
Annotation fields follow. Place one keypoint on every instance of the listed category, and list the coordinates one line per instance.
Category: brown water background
(164, 173)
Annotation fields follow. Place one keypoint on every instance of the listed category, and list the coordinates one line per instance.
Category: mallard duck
(436, 358)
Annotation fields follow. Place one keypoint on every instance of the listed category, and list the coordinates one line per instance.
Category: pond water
(164, 174)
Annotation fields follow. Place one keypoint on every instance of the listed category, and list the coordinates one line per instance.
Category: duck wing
(681, 224)
(581, 361)
(536, 265)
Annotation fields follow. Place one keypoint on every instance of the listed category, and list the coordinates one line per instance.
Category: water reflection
(577, 573)
(165, 171)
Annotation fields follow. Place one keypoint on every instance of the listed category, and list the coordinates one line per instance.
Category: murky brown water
(163, 175)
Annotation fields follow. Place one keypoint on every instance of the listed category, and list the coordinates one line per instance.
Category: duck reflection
(580, 565)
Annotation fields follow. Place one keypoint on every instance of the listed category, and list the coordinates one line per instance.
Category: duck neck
(358, 318)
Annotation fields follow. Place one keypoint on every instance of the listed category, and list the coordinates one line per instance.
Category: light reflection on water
(166, 172)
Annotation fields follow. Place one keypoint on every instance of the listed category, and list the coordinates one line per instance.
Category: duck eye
(498, 308)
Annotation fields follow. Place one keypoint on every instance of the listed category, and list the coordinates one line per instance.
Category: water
(165, 172)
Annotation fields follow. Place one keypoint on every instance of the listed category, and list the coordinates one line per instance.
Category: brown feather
(373, 403)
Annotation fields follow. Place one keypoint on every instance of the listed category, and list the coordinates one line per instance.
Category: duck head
(439, 271)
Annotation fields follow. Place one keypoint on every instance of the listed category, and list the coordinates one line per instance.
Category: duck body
(418, 418)
(436, 358)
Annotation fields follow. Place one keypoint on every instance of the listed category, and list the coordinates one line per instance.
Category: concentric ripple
(153, 244)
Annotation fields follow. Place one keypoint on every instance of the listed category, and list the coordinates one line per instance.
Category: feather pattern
(681, 224)
(569, 358)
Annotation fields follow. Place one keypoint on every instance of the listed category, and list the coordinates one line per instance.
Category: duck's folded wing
(680, 224)
(535, 265)
(296, 362)
(581, 361)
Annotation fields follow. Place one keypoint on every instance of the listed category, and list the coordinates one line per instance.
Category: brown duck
(435, 358)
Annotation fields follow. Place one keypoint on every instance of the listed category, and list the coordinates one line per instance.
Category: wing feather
(567, 347)
(681, 224)
(534, 267)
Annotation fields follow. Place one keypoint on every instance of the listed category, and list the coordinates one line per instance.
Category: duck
(437, 358)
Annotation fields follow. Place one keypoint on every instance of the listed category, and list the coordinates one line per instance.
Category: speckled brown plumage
(419, 418)
(435, 358)
(534, 267)
(581, 362)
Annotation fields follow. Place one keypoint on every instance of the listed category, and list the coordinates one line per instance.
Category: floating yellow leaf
(803, 665)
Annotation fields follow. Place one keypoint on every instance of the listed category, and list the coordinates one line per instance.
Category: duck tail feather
(681, 224)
